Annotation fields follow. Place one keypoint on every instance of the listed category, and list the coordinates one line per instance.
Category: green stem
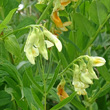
(61, 73)
(44, 81)
(94, 37)
(20, 30)
(16, 31)
(105, 87)
(45, 11)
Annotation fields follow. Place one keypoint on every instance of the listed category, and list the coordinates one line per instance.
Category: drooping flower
(36, 44)
(84, 74)
(30, 49)
(61, 92)
(56, 19)
(78, 84)
(65, 2)
(97, 61)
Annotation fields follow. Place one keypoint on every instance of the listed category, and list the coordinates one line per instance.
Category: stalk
(95, 35)
(45, 11)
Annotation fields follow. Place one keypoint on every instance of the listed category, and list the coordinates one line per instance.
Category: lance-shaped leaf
(84, 24)
(37, 100)
(98, 12)
(106, 3)
(54, 77)
(64, 102)
(7, 19)
(12, 45)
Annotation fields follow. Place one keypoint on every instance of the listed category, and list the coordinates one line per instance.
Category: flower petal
(65, 2)
(42, 46)
(97, 61)
(32, 38)
(84, 78)
(56, 19)
(54, 39)
(49, 44)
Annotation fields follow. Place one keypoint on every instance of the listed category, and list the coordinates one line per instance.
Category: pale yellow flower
(83, 73)
(36, 44)
(97, 61)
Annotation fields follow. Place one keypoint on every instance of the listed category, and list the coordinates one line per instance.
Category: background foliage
(24, 86)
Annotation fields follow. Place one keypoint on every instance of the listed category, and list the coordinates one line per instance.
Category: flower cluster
(59, 5)
(61, 92)
(37, 44)
(84, 73)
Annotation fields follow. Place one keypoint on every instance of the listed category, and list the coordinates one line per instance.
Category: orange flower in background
(61, 92)
(75, 0)
(56, 19)
(65, 2)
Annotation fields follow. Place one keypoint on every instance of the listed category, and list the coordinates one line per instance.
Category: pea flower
(61, 92)
(60, 4)
(77, 82)
(36, 44)
(56, 19)
(97, 61)
(65, 2)
(84, 74)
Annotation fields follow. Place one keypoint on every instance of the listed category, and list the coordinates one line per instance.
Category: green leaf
(29, 97)
(30, 77)
(4, 98)
(106, 3)
(12, 45)
(63, 60)
(8, 5)
(37, 100)
(8, 109)
(104, 73)
(33, 107)
(25, 22)
(84, 24)
(102, 105)
(84, 7)
(11, 70)
(15, 92)
(98, 12)
(101, 92)
(40, 7)
(54, 77)
(3, 52)
(94, 106)
(64, 102)
(63, 13)
(78, 105)
(7, 19)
